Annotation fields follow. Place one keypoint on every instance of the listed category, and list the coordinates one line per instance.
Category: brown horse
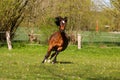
(58, 40)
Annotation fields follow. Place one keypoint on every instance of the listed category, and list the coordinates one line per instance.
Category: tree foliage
(11, 15)
(82, 14)
(78, 12)
(115, 11)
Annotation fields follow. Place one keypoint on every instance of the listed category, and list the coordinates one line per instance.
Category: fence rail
(86, 37)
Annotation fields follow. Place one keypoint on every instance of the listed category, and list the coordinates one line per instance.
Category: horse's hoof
(49, 61)
(53, 62)
(45, 61)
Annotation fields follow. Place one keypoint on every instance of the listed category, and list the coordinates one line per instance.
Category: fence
(101, 38)
(87, 38)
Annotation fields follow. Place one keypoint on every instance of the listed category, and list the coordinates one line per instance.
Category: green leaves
(115, 11)
(11, 14)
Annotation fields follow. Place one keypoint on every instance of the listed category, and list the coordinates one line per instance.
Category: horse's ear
(65, 19)
(57, 20)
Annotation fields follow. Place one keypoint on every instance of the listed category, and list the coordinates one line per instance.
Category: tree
(12, 13)
(112, 12)
(78, 12)
(115, 11)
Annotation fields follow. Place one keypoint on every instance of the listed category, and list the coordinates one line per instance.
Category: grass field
(88, 63)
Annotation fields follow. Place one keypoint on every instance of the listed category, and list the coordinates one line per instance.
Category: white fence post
(8, 40)
(79, 41)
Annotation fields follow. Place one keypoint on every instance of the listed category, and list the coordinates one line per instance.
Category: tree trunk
(8, 40)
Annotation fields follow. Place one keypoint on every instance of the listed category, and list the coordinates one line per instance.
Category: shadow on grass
(103, 78)
(64, 62)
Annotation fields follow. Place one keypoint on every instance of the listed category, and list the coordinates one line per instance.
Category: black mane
(57, 20)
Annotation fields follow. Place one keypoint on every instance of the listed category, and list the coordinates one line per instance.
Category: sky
(107, 0)
(102, 2)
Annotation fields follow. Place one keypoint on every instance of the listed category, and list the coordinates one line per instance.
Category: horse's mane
(57, 20)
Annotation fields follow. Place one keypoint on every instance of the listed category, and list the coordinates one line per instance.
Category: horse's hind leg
(52, 55)
(55, 58)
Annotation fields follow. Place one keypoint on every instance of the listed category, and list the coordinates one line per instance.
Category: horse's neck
(63, 33)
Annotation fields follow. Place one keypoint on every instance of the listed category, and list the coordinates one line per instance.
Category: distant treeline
(83, 15)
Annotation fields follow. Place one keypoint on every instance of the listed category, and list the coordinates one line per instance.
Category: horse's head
(61, 22)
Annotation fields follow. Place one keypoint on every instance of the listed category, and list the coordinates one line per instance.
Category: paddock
(24, 62)
(98, 58)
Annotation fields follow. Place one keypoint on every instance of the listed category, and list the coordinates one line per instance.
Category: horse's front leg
(46, 56)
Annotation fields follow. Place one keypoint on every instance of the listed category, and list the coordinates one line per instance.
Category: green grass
(88, 63)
